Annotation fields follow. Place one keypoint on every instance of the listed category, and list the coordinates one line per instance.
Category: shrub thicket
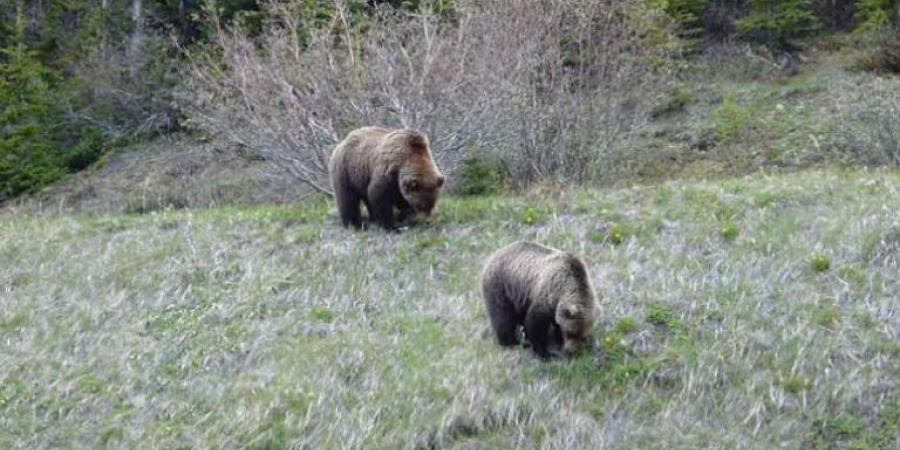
(885, 56)
(551, 103)
(868, 120)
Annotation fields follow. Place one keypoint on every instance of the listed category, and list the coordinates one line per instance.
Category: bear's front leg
(406, 215)
(537, 327)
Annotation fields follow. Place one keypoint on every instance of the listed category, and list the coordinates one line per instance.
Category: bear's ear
(418, 143)
(411, 185)
(440, 181)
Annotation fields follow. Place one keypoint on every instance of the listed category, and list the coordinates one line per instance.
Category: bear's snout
(571, 346)
(424, 204)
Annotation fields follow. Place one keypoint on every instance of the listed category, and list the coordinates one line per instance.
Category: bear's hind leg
(506, 329)
(504, 319)
(348, 208)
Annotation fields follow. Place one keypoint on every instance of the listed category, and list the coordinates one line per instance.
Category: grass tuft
(819, 262)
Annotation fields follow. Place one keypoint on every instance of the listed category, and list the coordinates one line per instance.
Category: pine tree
(775, 22)
(688, 13)
(877, 13)
(28, 156)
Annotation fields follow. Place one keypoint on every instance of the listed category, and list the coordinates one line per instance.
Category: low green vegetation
(271, 327)
(478, 176)
(819, 262)
(729, 231)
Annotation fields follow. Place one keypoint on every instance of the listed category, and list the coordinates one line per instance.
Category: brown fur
(384, 169)
(543, 290)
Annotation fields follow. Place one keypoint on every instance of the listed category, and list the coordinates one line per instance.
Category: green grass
(271, 327)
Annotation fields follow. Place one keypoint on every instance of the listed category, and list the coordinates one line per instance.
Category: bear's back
(519, 267)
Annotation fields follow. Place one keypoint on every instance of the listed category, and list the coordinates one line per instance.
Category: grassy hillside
(759, 312)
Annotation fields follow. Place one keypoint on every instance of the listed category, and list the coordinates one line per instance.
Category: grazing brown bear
(542, 289)
(384, 169)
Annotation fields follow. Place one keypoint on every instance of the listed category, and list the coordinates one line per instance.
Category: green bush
(733, 120)
(479, 176)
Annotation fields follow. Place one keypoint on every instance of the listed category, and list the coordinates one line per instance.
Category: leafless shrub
(869, 110)
(884, 57)
(548, 90)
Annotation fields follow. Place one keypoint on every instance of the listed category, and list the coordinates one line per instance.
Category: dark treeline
(776, 22)
(79, 77)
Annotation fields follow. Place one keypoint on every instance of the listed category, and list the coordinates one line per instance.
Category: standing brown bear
(542, 289)
(384, 169)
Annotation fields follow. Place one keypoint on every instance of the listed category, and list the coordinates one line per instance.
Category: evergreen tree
(775, 22)
(28, 156)
(688, 13)
(877, 13)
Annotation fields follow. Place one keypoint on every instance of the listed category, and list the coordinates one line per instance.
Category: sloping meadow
(749, 313)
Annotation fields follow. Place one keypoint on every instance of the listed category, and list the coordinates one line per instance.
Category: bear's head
(574, 322)
(575, 308)
(419, 178)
